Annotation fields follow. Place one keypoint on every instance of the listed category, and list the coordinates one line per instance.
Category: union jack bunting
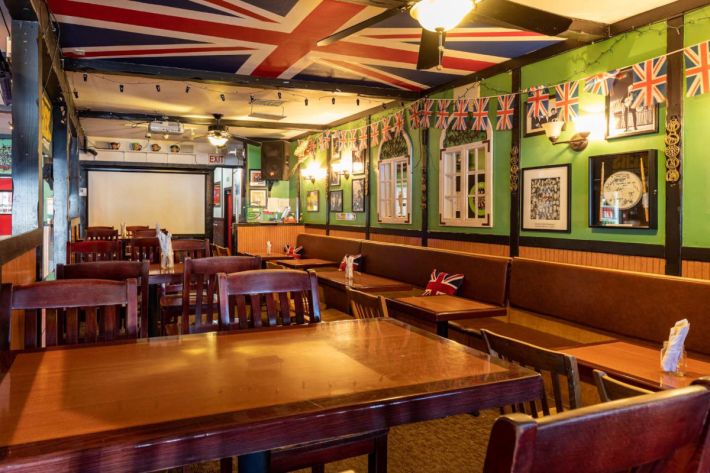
(398, 123)
(506, 108)
(441, 283)
(442, 116)
(322, 141)
(311, 147)
(460, 114)
(375, 134)
(362, 143)
(567, 100)
(600, 84)
(386, 130)
(480, 114)
(337, 140)
(649, 85)
(414, 115)
(351, 138)
(538, 99)
(425, 113)
(697, 69)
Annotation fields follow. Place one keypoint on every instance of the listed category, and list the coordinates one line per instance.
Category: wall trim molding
(348, 228)
(595, 246)
(696, 254)
(18, 245)
(319, 226)
(471, 237)
(396, 231)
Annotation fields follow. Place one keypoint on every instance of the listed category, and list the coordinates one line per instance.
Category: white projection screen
(174, 200)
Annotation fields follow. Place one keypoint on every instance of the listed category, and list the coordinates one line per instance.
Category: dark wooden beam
(425, 199)
(60, 169)
(144, 117)
(368, 180)
(221, 78)
(515, 169)
(74, 202)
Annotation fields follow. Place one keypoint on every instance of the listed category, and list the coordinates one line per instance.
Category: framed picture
(336, 201)
(255, 178)
(5, 157)
(533, 125)
(312, 201)
(623, 190)
(622, 119)
(546, 198)
(334, 178)
(6, 203)
(358, 195)
(359, 161)
(257, 197)
(217, 194)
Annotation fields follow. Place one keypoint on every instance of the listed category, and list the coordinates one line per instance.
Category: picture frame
(533, 125)
(336, 201)
(623, 190)
(256, 179)
(5, 202)
(621, 120)
(334, 177)
(313, 201)
(217, 194)
(358, 195)
(359, 161)
(546, 198)
(257, 198)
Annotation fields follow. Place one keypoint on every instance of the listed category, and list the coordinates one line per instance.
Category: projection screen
(174, 200)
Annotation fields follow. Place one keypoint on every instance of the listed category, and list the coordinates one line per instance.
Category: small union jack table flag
(425, 113)
(697, 69)
(293, 251)
(538, 99)
(649, 85)
(567, 101)
(441, 283)
(414, 115)
(506, 108)
(460, 114)
(480, 114)
(600, 84)
(442, 116)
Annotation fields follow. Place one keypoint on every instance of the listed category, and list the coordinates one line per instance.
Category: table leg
(442, 329)
(254, 462)
(153, 311)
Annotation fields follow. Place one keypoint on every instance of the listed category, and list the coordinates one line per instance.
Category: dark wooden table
(307, 263)
(635, 363)
(159, 403)
(442, 309)
(267, 256)
(362, 282)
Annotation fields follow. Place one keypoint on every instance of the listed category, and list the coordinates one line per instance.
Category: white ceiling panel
(603, 11)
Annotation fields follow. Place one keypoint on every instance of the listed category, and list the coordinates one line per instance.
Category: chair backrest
(189, 248)
(145, 232)
(66, 302)
(131, 229)
(366, 306)
(544, 361)
(661, 433)
(611, 389)
(115, 271)
(199, 288)
(220, 250)
(101, 233)
(93, 250)
(277, 286)
(145, 249)
(274, 265)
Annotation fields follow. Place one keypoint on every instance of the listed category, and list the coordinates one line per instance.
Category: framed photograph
(622, 119)
(533, 125)
(256, 179)
(359, 161)
(334, 178)
(336, 201)
(623, 190)
(546, 198)
(6, 203)
(257, 197)
(217, 194)
(312, 201)
(358, 195)
(5, 157)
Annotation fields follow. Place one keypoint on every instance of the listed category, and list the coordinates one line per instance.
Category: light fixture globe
(218, 135)
(440, 15)
(553, 130)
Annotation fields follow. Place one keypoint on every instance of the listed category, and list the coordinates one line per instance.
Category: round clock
(623, 190)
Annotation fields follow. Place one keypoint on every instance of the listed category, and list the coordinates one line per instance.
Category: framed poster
(336, 201)
(312, 201)
(256, 179)
(359, 161)
(546, 198)
(334, 177)
(358, 189)
(5, 202)
(622, 119)
(533, 125)
(217, 194)
(623, 190)
(257, 197)
(5, 157)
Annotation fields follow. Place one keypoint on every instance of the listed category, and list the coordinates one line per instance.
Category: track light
(332, 100)
(187, 89)
(279, 94)
(221, 96)
(251, 98)
(306, 102)
(86, 77)
(357, 101)
(76, 94)
(157, 87)
(120, 88)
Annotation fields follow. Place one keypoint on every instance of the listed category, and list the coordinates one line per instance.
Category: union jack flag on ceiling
(277, 39)
(425, 113)
(697, 69)
(442, 116)
(480, 114)
(460, 114)
(506, 108)
(441, 283)
(538, 102)
(567, 100)
(600, 84)
(649, 85)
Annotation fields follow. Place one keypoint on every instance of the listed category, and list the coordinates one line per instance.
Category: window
(394, 190)
(466, 185)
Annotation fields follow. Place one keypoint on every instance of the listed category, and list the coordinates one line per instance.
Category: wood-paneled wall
(315, 231)
(254, 237)
(398, 239)
(348, 234)
(696, 269)
(471, 247)
(601, 260)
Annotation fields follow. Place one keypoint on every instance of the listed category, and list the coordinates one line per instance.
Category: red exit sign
(216, 159)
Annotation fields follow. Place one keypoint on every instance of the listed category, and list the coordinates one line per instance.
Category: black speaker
(274, 160)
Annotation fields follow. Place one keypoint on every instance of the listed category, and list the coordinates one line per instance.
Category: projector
(166, 127)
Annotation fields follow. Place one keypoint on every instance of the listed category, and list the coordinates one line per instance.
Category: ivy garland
(394, 148)
(462, 137)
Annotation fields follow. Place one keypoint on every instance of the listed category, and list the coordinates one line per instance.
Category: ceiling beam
(222, 78)
(144, 117)
(662, 13)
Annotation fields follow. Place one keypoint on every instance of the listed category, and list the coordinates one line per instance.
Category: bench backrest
(327, 247)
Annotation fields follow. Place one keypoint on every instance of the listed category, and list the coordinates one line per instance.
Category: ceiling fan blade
(429, 49)
(361, 26)
(246, 140)
(522, 17)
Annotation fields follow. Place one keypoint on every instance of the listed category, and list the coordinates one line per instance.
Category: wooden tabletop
(157, 275)
(362, 282)
(204, 396)
(267, 256)
(306, 263)
(639, 364)
(444, 308)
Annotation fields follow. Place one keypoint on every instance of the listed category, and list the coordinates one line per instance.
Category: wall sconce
(344, 167)
(578, 142)
(313, 172)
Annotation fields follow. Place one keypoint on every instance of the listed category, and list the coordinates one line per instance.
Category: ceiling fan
(439, 16)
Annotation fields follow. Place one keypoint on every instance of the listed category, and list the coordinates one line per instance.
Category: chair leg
(320, 468)
(377, 460)
(225, 465)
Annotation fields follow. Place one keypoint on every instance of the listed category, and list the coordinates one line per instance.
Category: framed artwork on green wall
(312, 201)
(358, 189)
(336, 201)
(623, 190)
(533, 124)
(546, 198)
(622, 118)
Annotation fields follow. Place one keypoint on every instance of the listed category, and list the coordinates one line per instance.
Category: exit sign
(216, 159)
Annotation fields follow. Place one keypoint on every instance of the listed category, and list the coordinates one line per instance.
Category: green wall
(346, 187)
(280, 188)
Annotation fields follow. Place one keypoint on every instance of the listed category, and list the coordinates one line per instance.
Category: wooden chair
(101, 233)
(661, 433)
(611, 389)
(190, 248)
(273, 265)
(115, 271)
(131, 229)
(547, 362)
(93, 250)
(366, 306)
(220, 250)
(145, 249)
(66, 303)
(146, 233)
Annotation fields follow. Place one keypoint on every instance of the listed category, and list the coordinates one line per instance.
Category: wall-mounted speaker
(274, 160)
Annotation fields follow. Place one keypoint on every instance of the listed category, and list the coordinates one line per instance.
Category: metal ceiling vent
(267, 109)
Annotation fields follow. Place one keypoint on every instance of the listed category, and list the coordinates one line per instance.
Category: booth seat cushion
(624, 303)
(485, 277)
(327, 247)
